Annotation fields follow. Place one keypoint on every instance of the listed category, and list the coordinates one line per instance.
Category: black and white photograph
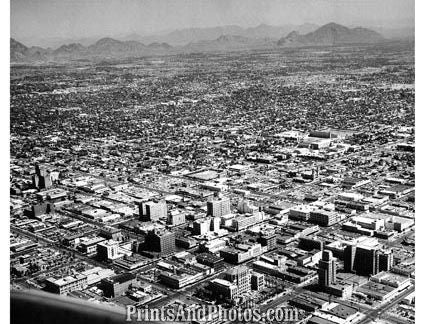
(210, 161)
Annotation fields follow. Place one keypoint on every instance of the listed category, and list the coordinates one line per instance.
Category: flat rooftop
(342, 311)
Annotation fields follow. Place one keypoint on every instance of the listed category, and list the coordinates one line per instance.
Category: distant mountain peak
(106, 40)
(18, 51)
(332, 34)
(333, 25)
(71, 46)
(69, 50)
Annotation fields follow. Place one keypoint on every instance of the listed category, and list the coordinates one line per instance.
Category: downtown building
(219, 207)
(152, 211)
(236, 282)
(160, 241)
(327, 270)
(367, 257)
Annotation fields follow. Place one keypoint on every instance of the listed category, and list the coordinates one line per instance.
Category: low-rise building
(242, 252)
(66, 284)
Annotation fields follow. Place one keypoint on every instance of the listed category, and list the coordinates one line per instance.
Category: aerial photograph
(212, 161)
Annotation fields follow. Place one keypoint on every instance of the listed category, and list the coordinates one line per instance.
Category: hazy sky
(88, 18)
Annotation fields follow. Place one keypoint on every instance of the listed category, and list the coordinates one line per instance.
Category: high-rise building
(385, 260)
(361, 260)
(40, 170)
(152, 211)
(366, 258)
(107, 250)
(160, 241)
(241, 277)
(245, 207)
(327, 269)
(268, 238)
(176, 219)
(243, 221)
(219, 207)
(117, 285)
(215, 224)
(42, 209)
(201, 226)
(237, 282)
(257, 281)
(42, 178)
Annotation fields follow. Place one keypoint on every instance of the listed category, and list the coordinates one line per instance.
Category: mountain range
(192, 35)
(200, 40)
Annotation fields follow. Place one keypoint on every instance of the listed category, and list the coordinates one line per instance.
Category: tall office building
(40, 170)
(160, 241)
(42, 178)
(349, 258)
(268, 238)
(367, 258)
(152, 211)
(219, 207)
(201, 226)
(385, 260)
(245, 207)
(241, 277)
(327, 269)
(257, 281)
(215, 224)
(360, 259)
(107, 250)
(205, 225)
(176, 218)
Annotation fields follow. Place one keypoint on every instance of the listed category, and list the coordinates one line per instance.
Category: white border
(420, 157)
(4, 162)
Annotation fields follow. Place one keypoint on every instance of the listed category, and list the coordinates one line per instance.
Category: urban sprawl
(266, 178)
